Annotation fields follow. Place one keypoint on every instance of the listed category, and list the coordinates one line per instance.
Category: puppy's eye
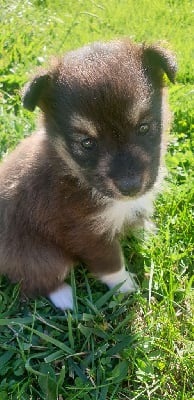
(143, 129)
(88, 143)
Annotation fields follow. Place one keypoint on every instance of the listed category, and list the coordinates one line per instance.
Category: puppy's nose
(129, 186)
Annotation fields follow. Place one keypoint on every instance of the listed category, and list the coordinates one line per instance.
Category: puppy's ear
(34, 90)
(159, 60)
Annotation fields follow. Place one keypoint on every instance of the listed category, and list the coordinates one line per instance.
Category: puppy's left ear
(158, 60)
(33, 92)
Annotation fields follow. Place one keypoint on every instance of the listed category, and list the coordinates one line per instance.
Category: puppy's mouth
(123, 188)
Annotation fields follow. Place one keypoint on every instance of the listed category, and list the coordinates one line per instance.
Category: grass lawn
(110, 347)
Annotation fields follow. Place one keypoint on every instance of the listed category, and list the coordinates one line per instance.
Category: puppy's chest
(117, 214)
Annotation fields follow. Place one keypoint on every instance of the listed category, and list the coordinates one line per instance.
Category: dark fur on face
(104, 103)
(104, 115)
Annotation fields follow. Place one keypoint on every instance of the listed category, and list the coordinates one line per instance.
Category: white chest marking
(119, 212)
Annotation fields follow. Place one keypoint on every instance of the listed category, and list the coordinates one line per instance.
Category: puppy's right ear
(33, 92)
(159, 60)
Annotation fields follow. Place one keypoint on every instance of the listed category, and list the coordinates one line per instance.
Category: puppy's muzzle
(129, 186)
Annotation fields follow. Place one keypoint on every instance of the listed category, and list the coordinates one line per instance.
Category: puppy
(68, 190)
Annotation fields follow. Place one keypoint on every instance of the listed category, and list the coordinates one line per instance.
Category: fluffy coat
(68, 190)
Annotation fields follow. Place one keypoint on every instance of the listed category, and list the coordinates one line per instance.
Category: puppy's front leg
(108, 266)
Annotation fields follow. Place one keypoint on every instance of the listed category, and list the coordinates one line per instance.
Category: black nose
(129, 186)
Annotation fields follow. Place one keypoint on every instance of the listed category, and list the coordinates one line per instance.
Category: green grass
(110, 347)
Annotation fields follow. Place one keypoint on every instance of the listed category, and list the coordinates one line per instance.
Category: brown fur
(52, 193)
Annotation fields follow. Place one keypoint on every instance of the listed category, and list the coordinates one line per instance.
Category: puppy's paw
(129, 284)
(62, 297)
(126, 278)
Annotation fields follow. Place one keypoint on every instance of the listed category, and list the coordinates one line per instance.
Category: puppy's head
(104, 111)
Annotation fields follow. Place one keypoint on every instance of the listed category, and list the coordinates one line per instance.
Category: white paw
(62, 298)
(129, 284)
(122, 276)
